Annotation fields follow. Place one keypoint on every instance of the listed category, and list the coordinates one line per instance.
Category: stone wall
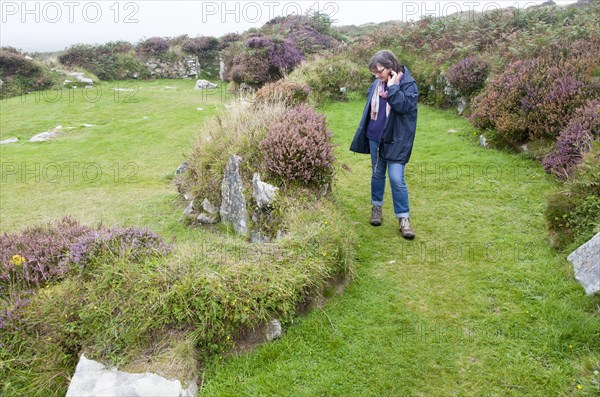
(183, 68)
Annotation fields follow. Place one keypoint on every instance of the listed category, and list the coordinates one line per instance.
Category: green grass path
(477, 305)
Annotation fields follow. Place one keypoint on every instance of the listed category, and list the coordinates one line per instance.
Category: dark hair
(387, 59)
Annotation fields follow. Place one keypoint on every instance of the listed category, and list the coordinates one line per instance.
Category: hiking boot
(405, 229)
(376, 216)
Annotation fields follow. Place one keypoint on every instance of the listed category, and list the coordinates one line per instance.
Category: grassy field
(115, 172)
(477, 305)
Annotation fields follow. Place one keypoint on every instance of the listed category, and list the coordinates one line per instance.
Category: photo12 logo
(68, 11)
(256, 12)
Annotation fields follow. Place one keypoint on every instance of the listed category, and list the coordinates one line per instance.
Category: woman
(387, 132)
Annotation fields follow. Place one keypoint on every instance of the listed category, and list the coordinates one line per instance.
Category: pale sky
(56, 25)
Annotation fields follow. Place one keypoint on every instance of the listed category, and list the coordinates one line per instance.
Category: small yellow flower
(570, 346)
(17, 260)
(579, 387)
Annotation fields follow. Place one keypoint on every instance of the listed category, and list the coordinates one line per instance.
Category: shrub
(574, 141)
(154, 46)
(288, 92)
(12, 63)
(31, 258)
(130, 244)
(572, 212)
(534, 99)
(202, 46)
(258, 42)
(238, 131)
(468, 75)
(284, 56)
(20, 75)
(332, 78)
(42, 254)
(251, 68)
(298, 147)
(110, 61)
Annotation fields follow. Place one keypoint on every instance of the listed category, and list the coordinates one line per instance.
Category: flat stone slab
(9, 140)
(94, 379)
(586, 264)
(43, 136)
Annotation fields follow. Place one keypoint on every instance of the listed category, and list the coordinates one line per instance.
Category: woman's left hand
(394, 77)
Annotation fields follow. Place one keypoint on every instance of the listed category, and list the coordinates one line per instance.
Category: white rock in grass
(92, 378)
(43, 136)
(483, 141)
(204, 85)
(9, 140)
(208, 207)
(263, 193)
(586, 264)
(189, 209)
(273, 330)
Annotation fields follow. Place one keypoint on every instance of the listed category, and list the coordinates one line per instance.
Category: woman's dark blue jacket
(399, 130)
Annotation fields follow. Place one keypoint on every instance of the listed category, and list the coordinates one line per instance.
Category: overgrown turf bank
(478, 304)
(173, 307)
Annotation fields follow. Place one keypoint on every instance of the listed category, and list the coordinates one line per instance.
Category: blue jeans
(397, 183)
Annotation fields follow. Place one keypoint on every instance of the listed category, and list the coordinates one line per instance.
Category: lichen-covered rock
(586, 264)
(233, 203)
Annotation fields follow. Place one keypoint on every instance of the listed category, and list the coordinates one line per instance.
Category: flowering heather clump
(41, 254)
(284, 55)
(129, 243)
(32, 256)
(298, 147)
(288, 92)
(11, 318)
(200, 46)
(153, 46)
(574, 141)
(258, 42)
(251, 68)
(535, 98)
(468, 75)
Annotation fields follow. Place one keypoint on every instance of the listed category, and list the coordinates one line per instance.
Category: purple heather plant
(468, 75)
(129, 243)
(298, 147)
(574, 141)
(285, 55)
(32, 256)
(42, 254)
(258, 42)
(11, 318)
(153, 46)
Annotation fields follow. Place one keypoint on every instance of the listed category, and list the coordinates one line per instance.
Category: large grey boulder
(263, 193)
(586, 264)
(92, 378)
(233, 203)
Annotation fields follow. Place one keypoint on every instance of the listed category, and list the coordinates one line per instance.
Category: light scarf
(377, 92)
